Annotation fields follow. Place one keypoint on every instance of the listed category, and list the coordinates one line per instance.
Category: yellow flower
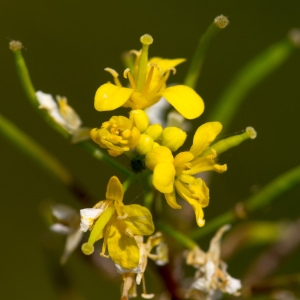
(148, 86)
(118, 135)
(117, 224)
(170, 174)
(160, 258)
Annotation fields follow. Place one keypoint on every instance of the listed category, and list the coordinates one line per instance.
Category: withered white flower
(64, 115)
(67, 223)
(211, 278)
(160, 258)
(88, 216)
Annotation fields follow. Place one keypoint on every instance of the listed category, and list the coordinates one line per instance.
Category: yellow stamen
(149, 78)
(122, 217)
(128, 75)
(163, 80)
(115, 76)
(129, 232)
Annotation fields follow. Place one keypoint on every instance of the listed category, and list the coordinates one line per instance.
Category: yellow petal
(163, 177)
(114, 190)
(204, 136)
(110, 97)
(122, 248)
(158, 155)
(171, 200)
(182, 158)
(166, 64)
(197, 205)
(185, 100)
(139, 219)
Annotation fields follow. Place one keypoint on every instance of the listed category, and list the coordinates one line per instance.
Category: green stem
(42, 157)
(266, 195)
(101, 156)
(199, 56)
(248, 78)
(178, 236)
(28, 146)
(29, 89)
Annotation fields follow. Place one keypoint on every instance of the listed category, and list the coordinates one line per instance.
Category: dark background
(67, 44)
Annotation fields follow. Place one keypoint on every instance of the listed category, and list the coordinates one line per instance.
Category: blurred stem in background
(276, 188)
(249, 77)
(195, 67)
(43, 158)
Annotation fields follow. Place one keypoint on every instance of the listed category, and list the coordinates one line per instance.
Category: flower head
(170, 174)
(160, 258)
(148, 85)
(117, 224)
(211, 277)
(118, 135)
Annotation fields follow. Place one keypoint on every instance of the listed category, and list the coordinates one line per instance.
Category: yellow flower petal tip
(87, 249)
(109, 97)
(185, 100)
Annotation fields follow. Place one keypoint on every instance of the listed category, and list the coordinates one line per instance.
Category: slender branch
(30, 92)
(42, 157)
(248, 78)
(199, 56)
(178, 236)
(266, 195)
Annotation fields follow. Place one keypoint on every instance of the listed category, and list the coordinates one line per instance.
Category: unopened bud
(145, 144)
(140, 119)
(154, 131)
(173, 138)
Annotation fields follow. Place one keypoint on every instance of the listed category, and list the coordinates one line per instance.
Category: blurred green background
(67, 44)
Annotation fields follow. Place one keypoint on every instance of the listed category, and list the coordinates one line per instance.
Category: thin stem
(266, 195)
(30, 92)
(101, 156)
(248, 78)
(178, 236)
(29, 89)
(42, 157)
(195, 67)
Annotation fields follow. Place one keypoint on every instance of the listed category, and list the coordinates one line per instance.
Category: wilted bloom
(117, 224)
(148, 85)
(64, 115)
(170, 174)
(160, 258)
(211, 278)
(117, 135)
(67, 222)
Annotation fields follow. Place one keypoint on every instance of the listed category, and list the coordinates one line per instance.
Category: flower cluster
(154, 148)
(150, 145)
